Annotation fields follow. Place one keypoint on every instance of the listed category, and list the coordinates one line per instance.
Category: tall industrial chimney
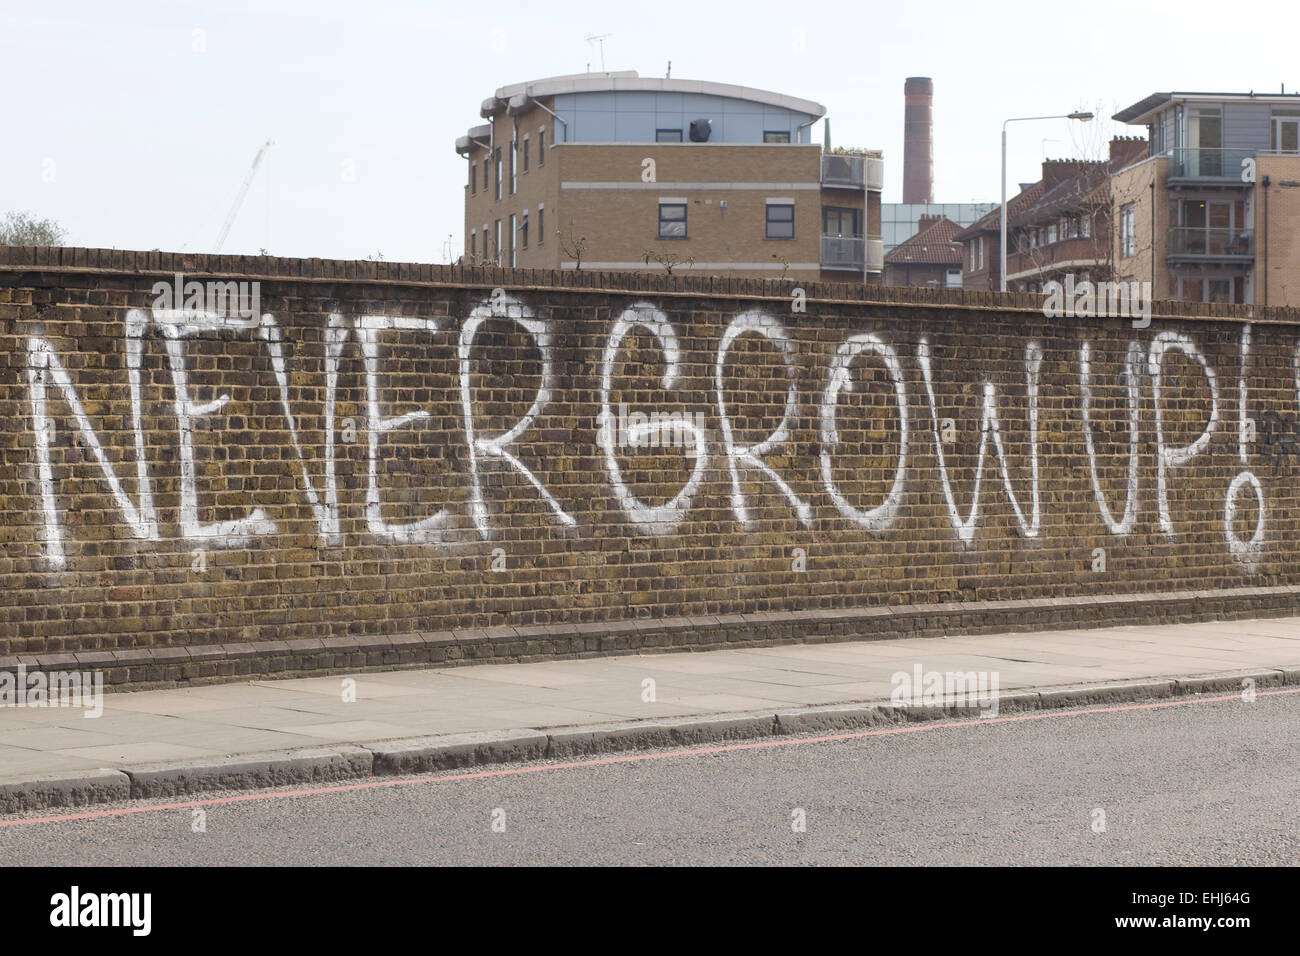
(918, 140)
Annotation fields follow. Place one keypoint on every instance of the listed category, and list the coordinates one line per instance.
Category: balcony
(853, 253)
(1206, 166)
(875, 255)
(843, 252)
(852, 171)
(1199, 244)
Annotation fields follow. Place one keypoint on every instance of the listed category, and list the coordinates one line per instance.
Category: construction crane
(239, 200)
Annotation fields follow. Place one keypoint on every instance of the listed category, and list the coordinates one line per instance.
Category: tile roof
(992, 221)
(932, 245)
(1068, 185)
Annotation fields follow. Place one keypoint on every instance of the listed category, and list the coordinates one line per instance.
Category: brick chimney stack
(918, 140)
(1127, 149)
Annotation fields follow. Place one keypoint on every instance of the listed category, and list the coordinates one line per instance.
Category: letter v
(327, 514)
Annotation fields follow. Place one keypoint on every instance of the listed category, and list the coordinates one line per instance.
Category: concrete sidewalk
(263, 732)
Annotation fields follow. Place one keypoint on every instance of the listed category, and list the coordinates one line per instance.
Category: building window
(525, 154)
(776, 136)
(672, 220)
(841, 222)
(486, 178)
(514, 164)
(1286, 131)
(1051, 234)
(541, 147)
(514, 246)
(1126, 234)
(498, 162)
(1085, 227)
(523, 232)
(541, 224)
(972, 257)
(496, 253)
(473, 245)
(668, 135)
(473, 178)
(780, 220)
(1227, 289)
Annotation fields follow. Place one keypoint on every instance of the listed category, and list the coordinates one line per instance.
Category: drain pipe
(1263, 280)
(559, 119)
(803, 126)
(1152, 187)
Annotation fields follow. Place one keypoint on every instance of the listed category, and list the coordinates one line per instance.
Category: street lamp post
(1082, 117)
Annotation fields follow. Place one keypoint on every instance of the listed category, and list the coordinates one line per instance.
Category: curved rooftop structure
(622, 107)
(630, 80)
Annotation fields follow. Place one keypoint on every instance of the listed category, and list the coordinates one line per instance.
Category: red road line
(635, 758)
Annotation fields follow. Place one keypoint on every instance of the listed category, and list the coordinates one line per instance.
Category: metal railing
(1215, 243)
(875, 255)
(1208, 163)
(875, 173)
(855, 170)
(843, 170)
(843, 252)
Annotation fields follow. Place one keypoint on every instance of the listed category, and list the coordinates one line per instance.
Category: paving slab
(359, 730)
(133, 752)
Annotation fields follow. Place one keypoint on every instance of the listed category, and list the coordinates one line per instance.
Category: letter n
(44, 368)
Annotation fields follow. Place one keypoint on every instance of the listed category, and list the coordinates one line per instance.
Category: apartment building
(1057, 226)
(616, 171)
(981, 241)
(1212, 212)
(930, 259)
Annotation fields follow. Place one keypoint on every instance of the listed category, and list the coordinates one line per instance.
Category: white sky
(147, 139)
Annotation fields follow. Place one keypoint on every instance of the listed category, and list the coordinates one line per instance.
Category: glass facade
(898, 219)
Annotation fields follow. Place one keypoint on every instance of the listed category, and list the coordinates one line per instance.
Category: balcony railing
(853, 252)
(1208, 163)
(875, 255)
(843, 252)
(855, 171)
(1196, 241)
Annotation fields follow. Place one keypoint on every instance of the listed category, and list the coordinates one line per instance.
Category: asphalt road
(1195, 783)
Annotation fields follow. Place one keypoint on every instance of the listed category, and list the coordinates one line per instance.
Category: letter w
(989, 424)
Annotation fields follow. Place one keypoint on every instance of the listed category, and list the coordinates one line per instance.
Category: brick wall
(538, 185)
(560, 538)
(1133, 186)
(726, 226)
(1277, 245)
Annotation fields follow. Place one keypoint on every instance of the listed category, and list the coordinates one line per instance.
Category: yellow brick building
(1210, 215)
(613, 171)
